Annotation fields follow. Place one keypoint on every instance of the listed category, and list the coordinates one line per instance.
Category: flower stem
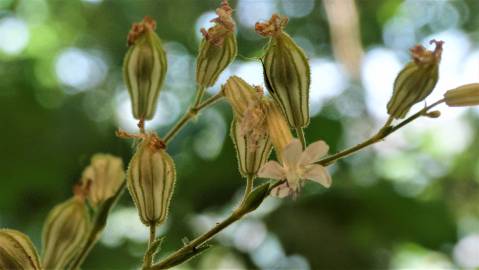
(97, 228)
(301, 137)
(149, 258)
(383, 133)
(192, 112)
(248, 188)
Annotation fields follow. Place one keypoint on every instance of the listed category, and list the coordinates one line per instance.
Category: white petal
(314, 152)
(318, 173)
(281, 191)
(272, 169)
(292, 153)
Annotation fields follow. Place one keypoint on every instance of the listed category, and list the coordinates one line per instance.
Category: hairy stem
(383, 133)
(192, 112)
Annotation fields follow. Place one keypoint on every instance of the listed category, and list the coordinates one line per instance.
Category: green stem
(249, 187)
(97, 228)
(192, 112)
(149, 258)
(301, 137)
(383, 133)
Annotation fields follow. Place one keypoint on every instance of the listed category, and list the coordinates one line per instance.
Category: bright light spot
(268, 253)
(292, 262)
(419, 12)
(470, 71)
(204, 22)
(445, 16)
(297, 8)
(379, 70)
(14, 35)
(249, 12)
(399, 34)
(412, 256)
(92, 1)
(221, 80)
(251, 72)
(79, 70)
(180, 77)
(209, 141)
(167, 110)
(249, 234)
(327, 80)
(124, 224)
(466, 252)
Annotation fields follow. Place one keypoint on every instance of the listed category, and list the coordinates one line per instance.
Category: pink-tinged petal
(319, 174)
(281, 191)
(292, 153)
(272, 169)
(313, 153)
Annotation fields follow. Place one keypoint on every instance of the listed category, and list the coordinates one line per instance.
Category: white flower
(297, 167)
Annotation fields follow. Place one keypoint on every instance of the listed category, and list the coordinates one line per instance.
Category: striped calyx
(104, 176)
(151, 178)
(144, 68)
(286, 71)
(240, 95)
(416, 80)
(465, 95)
(278, 129)
(17, 251)
(218, 47)
(65, 232)
(251, 152)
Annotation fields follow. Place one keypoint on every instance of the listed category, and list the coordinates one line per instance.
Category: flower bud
(103, 177)
(240, 95)
(17, 251)
(252, 152)
(465, 95)
(416, 80)
(278, 129)
(151, 178)
(144, 68)
(286, 71)
(218, 47)
(65, 232)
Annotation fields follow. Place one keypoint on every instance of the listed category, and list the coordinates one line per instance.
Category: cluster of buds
(65, 231)
(286, 71)
(144, 68)
(416, 80)
(218, 47)
(151, 178)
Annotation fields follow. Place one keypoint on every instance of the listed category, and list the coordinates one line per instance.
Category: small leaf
(254, 199)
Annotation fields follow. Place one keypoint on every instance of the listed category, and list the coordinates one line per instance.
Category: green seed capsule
(65, 232)
(240, 95)
(415, 81)
(144, 68)
(278, 129)
(151, 178)
(218, 47)
(104, 176)
(286, 71)
(17, 251)
(465, 95)
(252, 153)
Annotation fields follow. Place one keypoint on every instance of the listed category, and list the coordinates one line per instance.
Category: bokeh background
(411, 201)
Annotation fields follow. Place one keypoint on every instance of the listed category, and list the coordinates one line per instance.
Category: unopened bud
(252, 151)
(240, 95)
(465, 95)
(415, 81)
(17, 251)
(65, 232)
(433, 114)
(151, 178)
(104, 176)
(286, 71)
(278, 129)
(144, 68)
(218, 47)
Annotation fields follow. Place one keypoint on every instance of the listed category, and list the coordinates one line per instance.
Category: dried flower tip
(218, 47)
(278, 129)
(17, 251)
(287, 76)
(144, 69)
(253, 123)
(252, 149)
(416, 80)
(274, 26)
(64, 233)
(465, 95)
(104, 176)
(151, 178)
